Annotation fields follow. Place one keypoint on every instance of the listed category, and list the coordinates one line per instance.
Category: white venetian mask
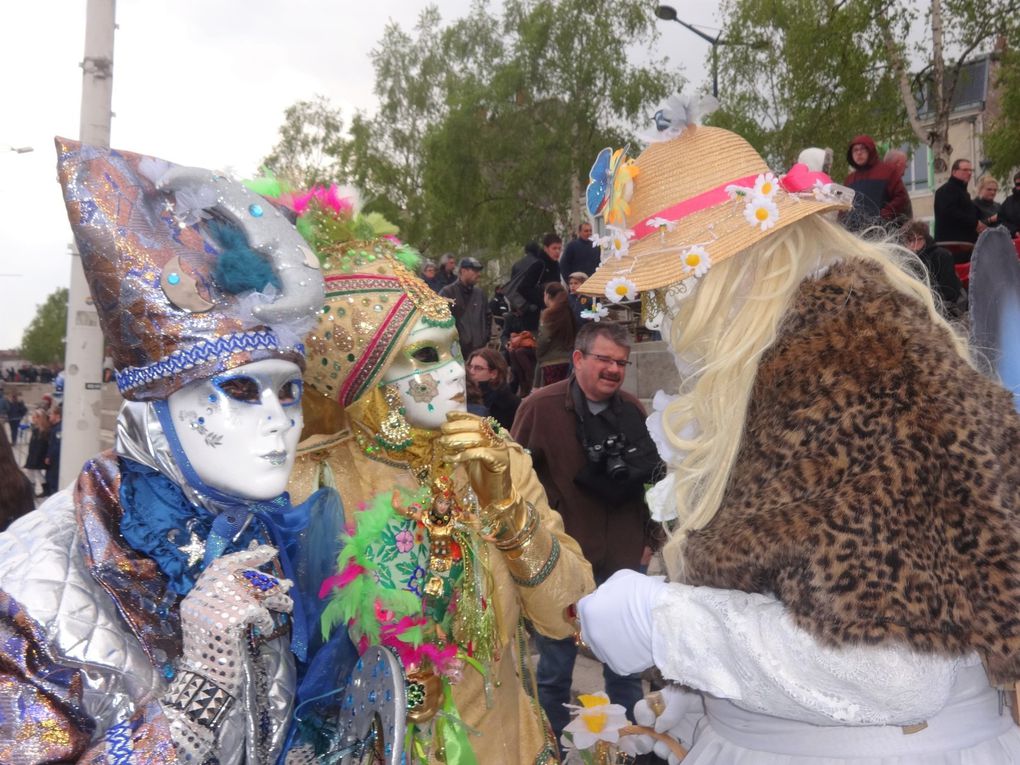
(240, 429)
(428, 373)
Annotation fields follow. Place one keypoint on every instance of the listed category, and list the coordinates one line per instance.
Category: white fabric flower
(595, 720)
(665, 223)
(761, 212)
(696, 259)
(621, 288)
(661, 499)
(738, 192)
(619, 240)
(766, 185)
(596, 313)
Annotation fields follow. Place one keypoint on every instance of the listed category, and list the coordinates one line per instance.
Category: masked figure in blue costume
(148, 613)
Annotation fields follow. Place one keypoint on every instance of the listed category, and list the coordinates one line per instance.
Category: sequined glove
(616, 620)
(476, 443)
(230, 596)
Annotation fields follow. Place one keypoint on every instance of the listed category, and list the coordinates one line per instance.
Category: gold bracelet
(523, 536)
(537, 559)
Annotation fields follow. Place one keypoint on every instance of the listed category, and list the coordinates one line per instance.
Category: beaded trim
(369, 365)
(543, 573)
(186, 358)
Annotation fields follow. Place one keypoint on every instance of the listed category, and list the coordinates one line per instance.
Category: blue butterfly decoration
(600, 182)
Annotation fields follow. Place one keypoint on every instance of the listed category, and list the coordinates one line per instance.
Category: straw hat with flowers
(691, 201)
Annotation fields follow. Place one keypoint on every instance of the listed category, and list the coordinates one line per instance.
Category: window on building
(916, 177)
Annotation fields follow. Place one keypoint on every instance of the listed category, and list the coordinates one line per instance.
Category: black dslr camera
(611, 456)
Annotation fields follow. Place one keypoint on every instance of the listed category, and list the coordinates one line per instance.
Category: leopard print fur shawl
(877, 488)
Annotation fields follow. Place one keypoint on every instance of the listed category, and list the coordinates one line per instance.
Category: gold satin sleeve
(566, 582)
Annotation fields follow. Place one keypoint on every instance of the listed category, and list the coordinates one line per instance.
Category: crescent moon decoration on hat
(191, 273)
(695, 197)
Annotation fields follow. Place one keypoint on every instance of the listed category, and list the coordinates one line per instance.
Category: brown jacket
(611, 536)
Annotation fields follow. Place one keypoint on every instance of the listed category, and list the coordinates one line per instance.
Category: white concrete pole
(83, 360)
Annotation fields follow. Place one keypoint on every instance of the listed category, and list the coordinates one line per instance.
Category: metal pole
(715, 70)
(83, 360)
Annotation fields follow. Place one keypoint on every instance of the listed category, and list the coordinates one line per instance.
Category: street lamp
(668, 13)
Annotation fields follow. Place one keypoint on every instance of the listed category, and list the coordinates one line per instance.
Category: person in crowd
(16, 411)
(578, 301)
(17, 497)
(581, 253)
(897, 159)
(593, 456)
(470, 306)
(528, 277)
(53, 442)
(555, 337)
(429, 271)
(498, 309)
(46, 402)
(489, 389)
(843, 577)
(880, 197)
(447, 271)
(5, 406)
(519, 345)
(451, 540)
(938, 263)
(38, 447)
(984, 200)
(154, 634)
(1009, 212)
(956, 217)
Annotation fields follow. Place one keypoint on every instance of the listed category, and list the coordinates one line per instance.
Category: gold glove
(476, 443)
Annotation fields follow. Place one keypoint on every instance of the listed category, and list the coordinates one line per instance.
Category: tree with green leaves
(808, 73)
(310, 148)
(487, 125)
(1002, 141)
(830, 69)
(43, 341)
(955, 31)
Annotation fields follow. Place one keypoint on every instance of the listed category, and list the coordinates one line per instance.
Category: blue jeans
(556, 670)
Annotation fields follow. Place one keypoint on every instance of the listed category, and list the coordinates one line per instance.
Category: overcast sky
(196, 82)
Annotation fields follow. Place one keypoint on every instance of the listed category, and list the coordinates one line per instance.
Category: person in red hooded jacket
(881, 196)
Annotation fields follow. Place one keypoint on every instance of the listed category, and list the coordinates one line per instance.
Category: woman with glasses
(489, 393)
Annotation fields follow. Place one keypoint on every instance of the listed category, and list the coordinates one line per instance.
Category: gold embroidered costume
(454, 517)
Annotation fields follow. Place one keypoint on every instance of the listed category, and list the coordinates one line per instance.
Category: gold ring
(492, 432)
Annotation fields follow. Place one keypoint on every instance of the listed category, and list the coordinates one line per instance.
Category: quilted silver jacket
(118, 684)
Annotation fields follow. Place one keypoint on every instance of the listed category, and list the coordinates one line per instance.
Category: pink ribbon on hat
(695, 204)
(798, 179)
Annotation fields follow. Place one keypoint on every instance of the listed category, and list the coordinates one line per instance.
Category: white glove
(229, 596)
(616, 620)
(674, 719)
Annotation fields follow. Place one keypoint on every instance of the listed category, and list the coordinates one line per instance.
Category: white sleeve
(746, 648)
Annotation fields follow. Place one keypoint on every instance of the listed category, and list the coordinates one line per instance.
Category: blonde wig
(723, 329)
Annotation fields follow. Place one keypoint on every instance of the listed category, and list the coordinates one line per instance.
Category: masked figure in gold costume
(450, 540)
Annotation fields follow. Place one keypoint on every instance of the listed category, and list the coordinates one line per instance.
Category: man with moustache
(595, 480)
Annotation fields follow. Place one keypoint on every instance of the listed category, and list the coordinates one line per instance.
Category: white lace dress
(772, 695)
